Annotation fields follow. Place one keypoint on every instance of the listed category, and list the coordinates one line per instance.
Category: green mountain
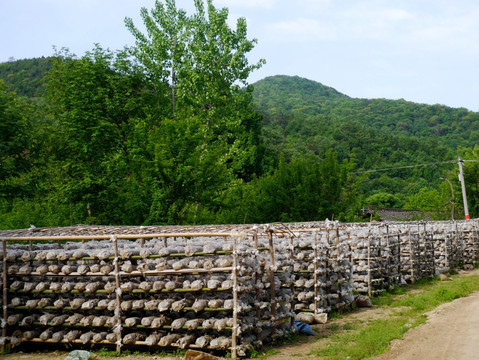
(305, 117)
(25, 77)
(281, 96)
(417, 143)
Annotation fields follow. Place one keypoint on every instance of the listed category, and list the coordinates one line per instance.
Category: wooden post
(421, 264)
(235, 302)
(411, 257)
(5, 295)
(370, 292)
(459, 257)
(399, 256)
(291, 244)
(256, 278)
(474, 243)
(446, 254)
(338, 261)
(315, 262)
(118, 294)
(388, 257)
(327, 267)
(379, 260)
(272, 277)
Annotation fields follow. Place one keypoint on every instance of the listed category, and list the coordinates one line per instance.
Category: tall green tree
(308, 188)
(471, 179)
(14, 143)
(206, 132)
(198, 67)
(99, 102)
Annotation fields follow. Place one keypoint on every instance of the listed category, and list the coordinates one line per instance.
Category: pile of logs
(220, 288)
(174, 292)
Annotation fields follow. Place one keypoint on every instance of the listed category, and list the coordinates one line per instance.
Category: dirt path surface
(450, 332)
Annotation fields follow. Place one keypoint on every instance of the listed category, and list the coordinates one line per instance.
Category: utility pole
(463, 186)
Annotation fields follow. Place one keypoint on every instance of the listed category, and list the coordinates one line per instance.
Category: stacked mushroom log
(322, 271)
(445, 246)
(273, 278)
(340, 267)
(471, 245)
(409, 245)
(367, 259)
(187, 291)
(426, 252)
(390, 256)
(209, 289)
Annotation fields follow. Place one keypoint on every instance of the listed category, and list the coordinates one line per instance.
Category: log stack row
(210, 289)
(188, 291)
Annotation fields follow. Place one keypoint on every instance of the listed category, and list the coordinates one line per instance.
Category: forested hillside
(142, 136)
(26, 76)
(303, 116)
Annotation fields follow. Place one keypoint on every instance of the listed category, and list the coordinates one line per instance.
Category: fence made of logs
(224, 288)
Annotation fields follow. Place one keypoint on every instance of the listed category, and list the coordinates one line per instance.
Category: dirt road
(450, 332)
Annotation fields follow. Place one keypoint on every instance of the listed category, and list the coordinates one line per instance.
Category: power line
(410, 166)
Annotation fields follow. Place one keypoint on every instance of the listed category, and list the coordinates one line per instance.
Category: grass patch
(262, 353)
(364, 340)
(107, 353)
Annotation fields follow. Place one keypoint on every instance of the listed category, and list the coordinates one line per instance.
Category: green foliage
(14, 142)
(25, 77)
(195, 65)
(303, 189)
(302, 116)
(190, 172)
(96, 101)
(39, 211)
(430, 201)
(383, 199)
(471, 178)
(167, 132)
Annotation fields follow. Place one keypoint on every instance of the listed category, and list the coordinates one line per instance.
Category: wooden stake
(5, 294)
(411, 257)
(388, 256)
(291, 244)
(327, 266)
(399, 257)
(474, 243)
(272, 277)
(316, 259)
(338, 257)
(235, 302)
(117, 293)
(256, 278)
(370, 292)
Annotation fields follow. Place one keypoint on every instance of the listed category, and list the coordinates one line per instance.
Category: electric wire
(409, 166)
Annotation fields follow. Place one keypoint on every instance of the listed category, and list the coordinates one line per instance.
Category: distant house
(388, 214)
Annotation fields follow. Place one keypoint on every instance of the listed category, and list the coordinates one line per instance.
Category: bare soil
(450, 332)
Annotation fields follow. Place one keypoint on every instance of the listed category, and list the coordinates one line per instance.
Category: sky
(426, 51)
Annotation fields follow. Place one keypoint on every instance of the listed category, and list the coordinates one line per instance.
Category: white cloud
(264, 4)
(366, 22)
(455, 32)
(302, 30)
